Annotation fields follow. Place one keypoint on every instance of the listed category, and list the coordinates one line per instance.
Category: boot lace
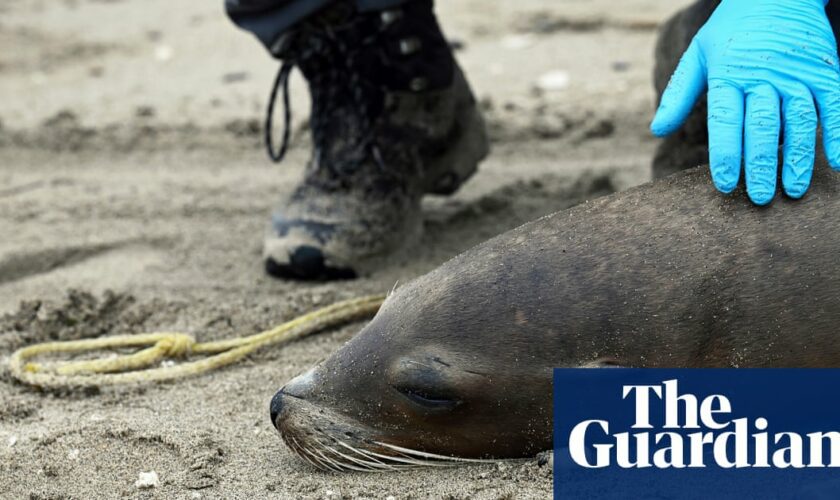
(342, 69)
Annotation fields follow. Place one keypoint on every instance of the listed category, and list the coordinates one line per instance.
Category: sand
(134, 194)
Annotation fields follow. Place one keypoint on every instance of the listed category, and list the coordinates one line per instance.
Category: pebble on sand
(553, 80)
(147, 480)
(163, 53)
(518, 42)
(12, 441)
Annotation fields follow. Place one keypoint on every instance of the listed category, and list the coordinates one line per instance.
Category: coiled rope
(138, 367)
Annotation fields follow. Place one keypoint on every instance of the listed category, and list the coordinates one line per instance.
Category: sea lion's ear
(603, 363)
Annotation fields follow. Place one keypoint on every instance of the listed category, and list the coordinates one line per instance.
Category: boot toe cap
(305, 263)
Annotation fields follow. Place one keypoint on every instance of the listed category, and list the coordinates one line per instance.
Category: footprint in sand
(48, 273)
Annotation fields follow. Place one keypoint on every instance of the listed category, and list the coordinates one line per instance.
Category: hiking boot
(392, 119)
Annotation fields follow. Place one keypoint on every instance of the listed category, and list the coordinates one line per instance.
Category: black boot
(392, 119)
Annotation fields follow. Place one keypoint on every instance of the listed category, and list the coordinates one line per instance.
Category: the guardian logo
(738, 434)
(695, 431)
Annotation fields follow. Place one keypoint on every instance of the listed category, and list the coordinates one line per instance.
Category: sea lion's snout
(298, 387)
(321, 435)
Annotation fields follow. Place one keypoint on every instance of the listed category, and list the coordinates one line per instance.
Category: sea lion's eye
(425, 384)
(427, 398)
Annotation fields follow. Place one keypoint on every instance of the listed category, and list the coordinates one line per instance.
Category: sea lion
(459, 362)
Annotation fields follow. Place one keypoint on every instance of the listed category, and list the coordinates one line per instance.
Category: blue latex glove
(763, 61)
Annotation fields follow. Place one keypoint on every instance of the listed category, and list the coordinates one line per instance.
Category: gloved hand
(763, 61)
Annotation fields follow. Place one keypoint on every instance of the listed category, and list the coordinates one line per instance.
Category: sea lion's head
(425, 383)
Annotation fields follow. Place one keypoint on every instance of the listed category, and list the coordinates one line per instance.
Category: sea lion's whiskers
(321, 465)
(389, 463)
(311, 454)
(312, 459)
(325, 456)
(406, 461)
(326, 463)
(302, 454)
(432, 456)
(331, 464)
(368, 460)
(300, 451)
(367, 466)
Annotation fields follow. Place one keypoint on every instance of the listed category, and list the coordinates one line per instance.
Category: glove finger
(761, 143)
(726, 131)
(827, 95)
(800, 118)
(687, 84)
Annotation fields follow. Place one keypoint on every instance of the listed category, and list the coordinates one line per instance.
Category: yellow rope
(133, 368)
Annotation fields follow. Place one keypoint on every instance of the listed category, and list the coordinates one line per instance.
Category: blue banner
(696, 434)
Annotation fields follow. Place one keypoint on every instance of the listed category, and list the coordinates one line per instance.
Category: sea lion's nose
(298, 387)
(276, 407)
